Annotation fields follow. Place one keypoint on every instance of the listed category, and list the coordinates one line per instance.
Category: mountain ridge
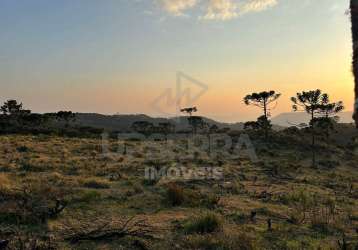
(288, 119)
(120, 122)
(123, 122)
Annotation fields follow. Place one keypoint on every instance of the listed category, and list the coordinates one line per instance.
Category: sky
(122, 56)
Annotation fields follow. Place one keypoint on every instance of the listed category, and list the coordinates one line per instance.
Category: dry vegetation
(62, 193)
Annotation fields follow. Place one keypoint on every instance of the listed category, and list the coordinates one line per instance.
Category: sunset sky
(118, 56)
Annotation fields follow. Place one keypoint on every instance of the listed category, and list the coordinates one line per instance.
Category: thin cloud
(229, 9)
(177, 7)
(221, 10)
(216, 9)
(257, 5)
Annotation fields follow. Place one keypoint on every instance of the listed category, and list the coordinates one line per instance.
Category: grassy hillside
(64, 193)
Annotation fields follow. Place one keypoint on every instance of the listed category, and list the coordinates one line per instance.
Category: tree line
(14, 118)
(13, 113)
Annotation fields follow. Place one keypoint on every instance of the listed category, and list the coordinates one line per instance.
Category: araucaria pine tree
(264, 100)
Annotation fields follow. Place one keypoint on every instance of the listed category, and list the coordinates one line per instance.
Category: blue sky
(118, 55)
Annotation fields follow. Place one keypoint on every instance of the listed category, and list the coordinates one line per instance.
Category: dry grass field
(63, 193)
(179, 125)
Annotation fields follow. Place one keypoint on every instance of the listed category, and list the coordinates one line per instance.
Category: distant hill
(295, 118)
(113, 122)
(124, 122)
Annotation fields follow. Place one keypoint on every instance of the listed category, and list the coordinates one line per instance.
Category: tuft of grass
(149, 182)
(30, 166)
(222, 241)
(239, 218)
(175, 195)
(22, 149)
(210, 201)
(207, 223)
(89, 196)
(179, 196)
(96, 184)
(5, 183)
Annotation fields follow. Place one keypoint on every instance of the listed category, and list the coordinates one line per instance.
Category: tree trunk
(354, 19)
(313, 140)
(313, 148)
(266, 120)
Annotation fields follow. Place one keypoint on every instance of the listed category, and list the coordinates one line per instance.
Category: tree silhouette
(66, 116)
(328, 112)
(251, 125)
(329, 109)
(312, 103)
(262, 122)
(354, 21)
(189, 111)
(209, 130)
(264, 101)
(196, 122)
(166, 128)
(12, 107)
(213, 129)
(34, 120)
(13, 114)
(143, 127)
